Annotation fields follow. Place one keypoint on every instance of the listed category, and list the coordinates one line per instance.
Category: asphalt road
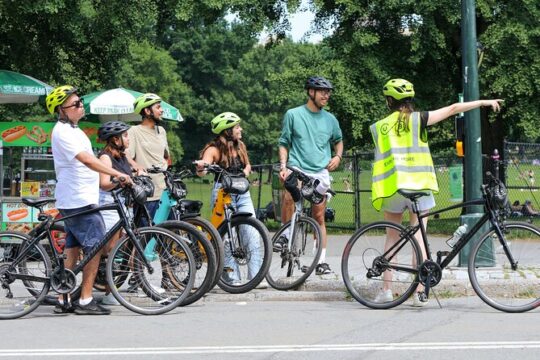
(464, 328)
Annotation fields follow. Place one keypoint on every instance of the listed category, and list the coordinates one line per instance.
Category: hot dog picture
(53, 212)
(90, 131)
(37, 135)
(13, 133)
(17, 214)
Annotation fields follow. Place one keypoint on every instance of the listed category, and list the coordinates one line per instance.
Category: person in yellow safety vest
(403, 161)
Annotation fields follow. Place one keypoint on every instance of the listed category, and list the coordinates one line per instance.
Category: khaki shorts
(397, 203)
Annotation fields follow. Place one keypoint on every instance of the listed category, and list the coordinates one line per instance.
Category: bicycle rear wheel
(213, 236)
(23, 284)
(491, 273)
(169, 256)
(289, 268)
(381, 274)
(205, 259)
(247, 254)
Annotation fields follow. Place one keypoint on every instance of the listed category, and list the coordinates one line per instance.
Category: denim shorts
(83, 231)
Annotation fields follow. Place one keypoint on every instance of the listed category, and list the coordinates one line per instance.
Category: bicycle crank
(430, 273)
(63, 281)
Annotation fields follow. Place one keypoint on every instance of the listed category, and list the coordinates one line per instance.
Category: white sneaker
(384, 296)
(110, 300)
(419, 299)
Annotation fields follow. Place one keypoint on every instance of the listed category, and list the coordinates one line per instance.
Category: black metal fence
(351, 207)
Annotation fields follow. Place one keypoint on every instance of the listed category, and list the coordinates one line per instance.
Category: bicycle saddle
(37, 202)
(412, 194)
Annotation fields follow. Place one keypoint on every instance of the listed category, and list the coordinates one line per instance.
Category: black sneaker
(133, 285)
(323, 269)
(63, 309)
(91, 309)
(280, 243)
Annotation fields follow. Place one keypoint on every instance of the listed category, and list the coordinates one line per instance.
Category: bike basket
(234, 184)
(145, 182)
(310, 193)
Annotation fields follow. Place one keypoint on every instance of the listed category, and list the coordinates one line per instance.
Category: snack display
(13, 133)
(37, 135)
(17, 214)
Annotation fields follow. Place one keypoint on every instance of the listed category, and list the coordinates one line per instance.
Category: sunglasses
(78, 104)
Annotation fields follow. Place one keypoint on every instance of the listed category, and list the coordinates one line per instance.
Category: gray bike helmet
(318, 83)
(110, 129)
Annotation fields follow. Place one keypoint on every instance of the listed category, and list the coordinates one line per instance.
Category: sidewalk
(330, 287)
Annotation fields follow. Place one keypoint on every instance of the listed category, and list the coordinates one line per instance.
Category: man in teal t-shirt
(309, 132)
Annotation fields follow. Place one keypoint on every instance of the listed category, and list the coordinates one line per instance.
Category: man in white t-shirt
(77, 189)
(148, 144)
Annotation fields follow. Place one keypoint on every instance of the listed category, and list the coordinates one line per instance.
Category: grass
(344, 202)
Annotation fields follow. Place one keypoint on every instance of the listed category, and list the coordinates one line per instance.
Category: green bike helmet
(398, 89)
(58, 96)
(224, 121)
(144, 101)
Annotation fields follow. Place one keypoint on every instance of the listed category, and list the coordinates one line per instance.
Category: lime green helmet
(224, 121)
(144, 101)
(398, 89)
(58, 96)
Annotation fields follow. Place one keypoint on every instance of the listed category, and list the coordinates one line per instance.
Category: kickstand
(436, 298)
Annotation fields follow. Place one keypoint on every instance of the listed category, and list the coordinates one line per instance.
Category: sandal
(323, 269)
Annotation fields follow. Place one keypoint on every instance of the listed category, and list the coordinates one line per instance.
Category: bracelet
(339, 156)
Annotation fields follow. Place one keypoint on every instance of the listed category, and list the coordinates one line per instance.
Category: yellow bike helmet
(398, 89)
(224, 121)
(58, 96)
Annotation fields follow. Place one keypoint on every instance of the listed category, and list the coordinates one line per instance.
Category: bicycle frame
(43, 230)
(411, 230)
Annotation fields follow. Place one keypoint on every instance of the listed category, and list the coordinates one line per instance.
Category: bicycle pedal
(440, 254)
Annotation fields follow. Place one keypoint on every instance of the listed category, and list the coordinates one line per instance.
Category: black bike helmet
(110, 129)
(318, 83)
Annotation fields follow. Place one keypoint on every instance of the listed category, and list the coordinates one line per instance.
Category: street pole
(473, 135)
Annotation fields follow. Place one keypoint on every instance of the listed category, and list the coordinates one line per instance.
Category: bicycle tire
(149, 297)
(213, 235)
(491, 275)
(365, 272)
(249, 226)
(205, 258)
(290, 268)
(19, 297)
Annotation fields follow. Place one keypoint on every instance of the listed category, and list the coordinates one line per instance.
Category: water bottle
(460, 231)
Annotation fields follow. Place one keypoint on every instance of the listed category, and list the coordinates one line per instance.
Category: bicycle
(245, 239)
(501, 267)
(295, 261)
(27, 272)
(206, 244)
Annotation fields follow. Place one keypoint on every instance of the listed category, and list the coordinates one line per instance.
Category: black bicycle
(382, 263)
(27, 271)
(301, 240)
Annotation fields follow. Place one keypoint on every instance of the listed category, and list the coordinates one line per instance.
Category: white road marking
(273, 348)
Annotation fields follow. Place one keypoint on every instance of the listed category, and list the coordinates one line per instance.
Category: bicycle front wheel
(499, 284)
(290, 267)
(247, 254)
(379, 265)
(205, 259)
(148, 291)
(24, 280)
